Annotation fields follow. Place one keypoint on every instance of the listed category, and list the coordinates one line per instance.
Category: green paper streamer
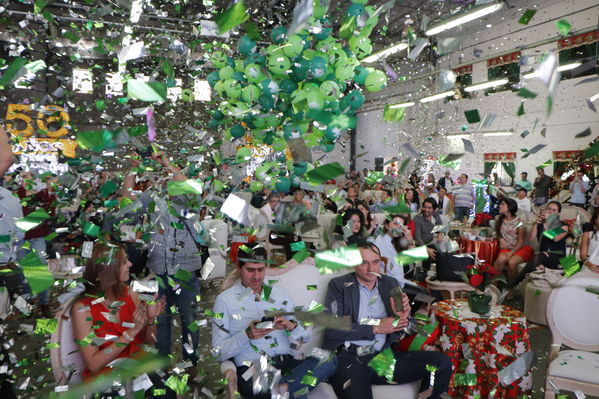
(335, 259)
(527, 16)
(525, 93)
(347, 28)
(91, 229)
(231, 17)
(309, 379)
(36, 272)
(10, 74)
(179, 385)
(412, 255)
(398, 209)
(374, 177)
(108, 188)
(545, 164)
(324, 173)
(32, 220)
(190, 186)
(297, 246)
(551, 234)
(384, 364)
(146, 91)
(266, 290)
(570, 265)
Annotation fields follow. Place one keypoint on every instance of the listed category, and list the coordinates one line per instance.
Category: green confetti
(525, 93)
(399, 209)
(329, 261)
(460, 380)
(91, 229)
(36, 272)
(472, 116)
(189, 186)
(324, 173)
(11, 73)
(235, 15)
(551, 234)
(347, 28)
(393, 114)
(108, 188)
(100, 105)
(45, 326)
(374, 177)
(96, 140)
(183, 275)
(592, 151)
(266, 290)
(214, 315)
(412, 255)
(310, 379)
(32, 220)
(570, 265)
(521, 109)
(384, 364)
(527, 16)
(312, 287)
(302, 255)
(563, 26)
(297, 246)
(179, 385)
(146, 91)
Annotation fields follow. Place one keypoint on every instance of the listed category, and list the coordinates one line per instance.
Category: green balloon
(277, 35)
(278, 64)
(218, 115)
(292, 131)
(360, 45)
(360, 75)
(269, 138)
(299, 69)
(283, 184)
(219, 59)
(318, 67)
(246, 45)
(269, 87)
(219, 87)
(320, 8)
(253, 72)
(255, 58)
(212, 78)
(326, 26)
(315, 100)
(244, 154)
(355, 99)
(239, 66)
(376, 81)
(356, 10)
(327, 146)
(295, 181)
(332, 133)
(330, 90)
(299, 168)
(239, 76)
(279, 145)
(232, 88)
(237, 131)
(267, 102)
(344, 71)
(250, 93)
(213, 123)
(256, 186)
(226, 72)
(294, 46)
(288, 85)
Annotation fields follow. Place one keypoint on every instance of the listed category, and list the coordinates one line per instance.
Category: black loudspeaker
(378, 164)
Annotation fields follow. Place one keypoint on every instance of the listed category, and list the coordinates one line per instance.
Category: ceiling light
(499, 133)
(396, 48)
(487, 85)
(561, 68)
(437, 96)
(403, 105)
(462, 18)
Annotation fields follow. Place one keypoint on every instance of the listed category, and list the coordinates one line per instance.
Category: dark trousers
(549, 260)
(354, 378)
(284, 239)
(292, 371)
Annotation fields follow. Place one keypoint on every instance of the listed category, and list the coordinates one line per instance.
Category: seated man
(235, 333)
(365, 294)
(424, 223)
(386, 200)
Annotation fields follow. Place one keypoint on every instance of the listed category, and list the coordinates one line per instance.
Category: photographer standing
(578, 188)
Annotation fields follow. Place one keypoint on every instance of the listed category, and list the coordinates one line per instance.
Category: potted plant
(480, 276)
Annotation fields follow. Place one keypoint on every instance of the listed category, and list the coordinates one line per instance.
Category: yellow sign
(19, 124)
(37, 145)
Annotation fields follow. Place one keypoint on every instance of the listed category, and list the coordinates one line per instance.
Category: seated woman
(109, 311)
(511, 233)
(352, 227)
(370, 222)
(551, 250)
(589, 247)
(412, 200)
(397, 238)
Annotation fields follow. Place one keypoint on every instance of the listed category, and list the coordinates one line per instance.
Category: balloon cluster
(305, 85)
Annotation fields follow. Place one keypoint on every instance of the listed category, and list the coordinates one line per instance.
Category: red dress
(113, 327)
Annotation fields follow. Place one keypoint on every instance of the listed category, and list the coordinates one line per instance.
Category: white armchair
(219, 234)
(297, 280)
(572, 316)
(67, 361)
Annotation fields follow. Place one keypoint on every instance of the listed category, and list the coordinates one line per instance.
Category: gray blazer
(343, 299)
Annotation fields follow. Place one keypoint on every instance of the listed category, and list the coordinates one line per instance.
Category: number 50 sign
(19, 124)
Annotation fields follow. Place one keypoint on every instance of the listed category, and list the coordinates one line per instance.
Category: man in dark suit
(365, 296)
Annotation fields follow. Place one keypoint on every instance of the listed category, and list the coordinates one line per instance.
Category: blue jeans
(461, 212)
(293, 371)
(184, 298)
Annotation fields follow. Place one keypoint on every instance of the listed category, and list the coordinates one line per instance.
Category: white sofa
(295, 279)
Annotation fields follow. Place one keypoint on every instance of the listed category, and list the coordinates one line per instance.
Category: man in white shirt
(522, 200)
(239, 333)
(578, 188)
(443, 201)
